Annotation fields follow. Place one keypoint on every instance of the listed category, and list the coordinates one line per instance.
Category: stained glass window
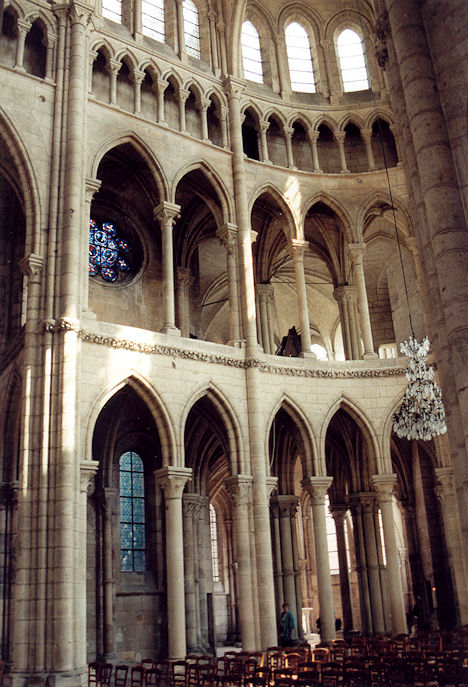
(108, 253)
(299, 58)
(132, 513)
(352, 62)
(191, 28)
(251, 53)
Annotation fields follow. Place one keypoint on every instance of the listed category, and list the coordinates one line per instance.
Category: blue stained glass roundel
(107, 251)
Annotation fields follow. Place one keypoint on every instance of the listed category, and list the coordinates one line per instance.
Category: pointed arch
(300, 419)
(300, 118)
(193, 86)
(148, 65)
(48, 25)
(351, 118)
(271, 190)
(220, 401)
(104, 46)
(248, 105)
(380, 199)
(225, 198)
(327, 121)
(142, 148)
(379, 113)
(25, 182)
(155, 404)
(276, 114)
(362, 420)
(173, 78)
(127, 56)
(338, 209)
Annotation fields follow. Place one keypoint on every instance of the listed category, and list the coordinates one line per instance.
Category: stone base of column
(170, 330)
(77, 678)
(236, 343)
(370, 355)
(308, 355)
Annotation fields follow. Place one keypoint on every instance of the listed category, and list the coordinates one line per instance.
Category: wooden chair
(178, 673)
(137, 676)
(320, 655)
(152, 677)
(105, 674)
(120, 676)
(93, 673)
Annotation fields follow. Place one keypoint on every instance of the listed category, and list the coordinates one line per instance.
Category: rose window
(108, 252)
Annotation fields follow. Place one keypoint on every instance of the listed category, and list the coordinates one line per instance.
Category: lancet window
(132, 513)
(152, 16)
(301, 69)
(352, 62)
(251, 53)
(191, 28)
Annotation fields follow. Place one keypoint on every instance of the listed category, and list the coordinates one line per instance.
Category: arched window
(108, 253)
(352, 62)
(112, 9)
(251, 53)
(152, 17)
(191, 29)
(301, 70)
(132, 513)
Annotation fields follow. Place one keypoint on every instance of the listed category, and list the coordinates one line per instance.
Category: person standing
(286, 626)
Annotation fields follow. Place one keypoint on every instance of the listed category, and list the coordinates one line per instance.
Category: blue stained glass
(126, 541)
(126, 461)
(138, 510)
(137, 463)
(139, 560)
(138, 485)
(125, 509)
(126, 560)
(106, 251)
(139, 536)
(125, 484)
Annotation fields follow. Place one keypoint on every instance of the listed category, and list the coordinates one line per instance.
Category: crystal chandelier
(422, 414)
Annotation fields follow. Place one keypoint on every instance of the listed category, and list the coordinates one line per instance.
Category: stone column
(287, 507)
(288, 134)
(50, 44)
(173, 480)
(108, 576)
(297, 249)
(340, 139)
(184, 281)
(213, 42)
(383, 485)
(313, 138)
(138, 77)
(396, 138)
(167, 214)
(317, 488)
(227, 234)
(338, 512)
(182, 96)
(356, 251)
(345, 296)
(162, 85)
(189, 507)
(354, 503)
(445, 491)
(297, 574)
(264, 126)
(282, 62)
(91, 188)
(270, 303)
(114, 68)
(373, 572)
(264, 293)
(223, 112)
(240, 488)
(222, 42)
(366, 135)
(204, 105)
(180, 28)
(22, 29)
(278, 562)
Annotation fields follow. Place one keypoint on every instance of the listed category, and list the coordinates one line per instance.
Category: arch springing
(251, 53)
(191, 29)
(301, 69)
(132, 513)
(352, 62)
(152, 17)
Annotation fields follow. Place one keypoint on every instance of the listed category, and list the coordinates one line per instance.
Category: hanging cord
(379, 129)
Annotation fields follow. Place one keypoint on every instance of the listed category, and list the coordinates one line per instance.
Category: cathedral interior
(218, 222)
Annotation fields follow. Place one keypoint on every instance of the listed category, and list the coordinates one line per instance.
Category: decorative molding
(217, 359)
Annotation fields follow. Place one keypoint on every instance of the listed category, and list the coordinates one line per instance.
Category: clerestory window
(152, 17)
(191, 29)
(108, 252)
(301, 69)
(112, 9)
(352, 61)
(132, 513)
(251, 53)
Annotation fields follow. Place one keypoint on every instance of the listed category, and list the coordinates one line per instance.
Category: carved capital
(445, 484)
(368, 501)
(114, 66)
(92, 186)
(345, 293)
(340, 137)
(22, 27)
(297, 248)
(80, 13)
(227, 234)
(271, 485)
(356, 252)
(240, 488)
(287, 505)
(265, 291)
(264, 126)
(313, 135)
(138, 76)
(184, 278)
(193, 505)
(384, 486)
(317, 488)
(366, 135)
(173, 480)
(182, 95)
(234, 87)
(162, 85)
(166, 214)
(31, 266)
(88, 469)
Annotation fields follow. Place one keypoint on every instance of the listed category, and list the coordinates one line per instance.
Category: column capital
(338, 510)
(287, 504)
(166, 213)
(22, 26)
(264, 126)
(253, 236)
(227, 235)
(297, 248)
(265, 291)
(317, 488)
(384, 486)
(271, 485)
(192, 504)
(368, 501)
(88, 469)
(184, 278)
(182, 95)
(138, 75)
(80, 13)
(172, 480)
(445, 484)
(240, 488)
(313, 135)
(162, 84)
(92, 186)
(340, 136)
(344, 292)
(288, 131)
(205, 103)
(366, 135)
(31, 266)
(234, 87)
(356, 251)
(114, 66)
